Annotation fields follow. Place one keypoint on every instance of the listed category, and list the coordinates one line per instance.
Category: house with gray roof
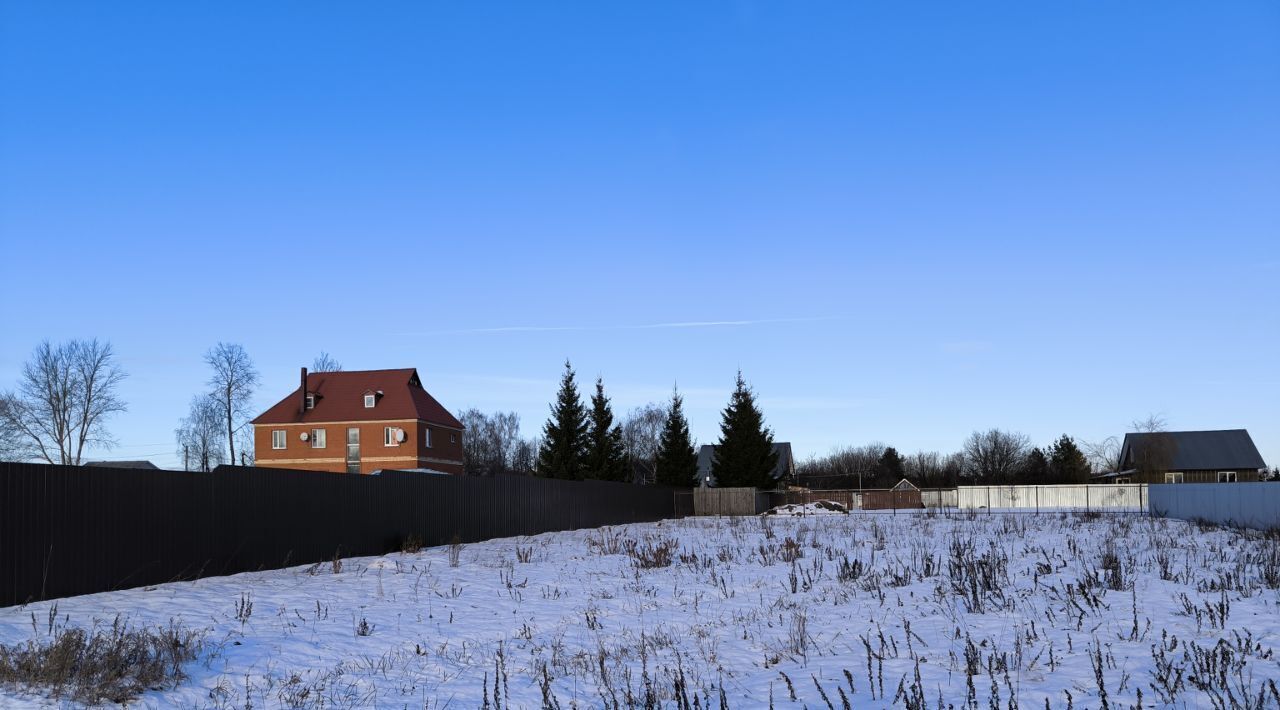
(784, 472)
(1224, 456)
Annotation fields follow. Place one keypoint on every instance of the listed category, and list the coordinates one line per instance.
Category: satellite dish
(304, 436)
(400, 437)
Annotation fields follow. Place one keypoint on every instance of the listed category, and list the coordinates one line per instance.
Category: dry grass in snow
(838, 611)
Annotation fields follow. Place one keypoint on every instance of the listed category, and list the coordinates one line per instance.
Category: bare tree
(489, 446)
(1152, 424)
(1103, 456)
(525, 458)
(13, 446)
(200, 435)
(1153, 451)
(65, 394)
(844, 467)
(930, 469)
(641, 438)
(994, 456)
(233, 381)
(324, 362)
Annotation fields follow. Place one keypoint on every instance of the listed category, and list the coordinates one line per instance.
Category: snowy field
(834, 610)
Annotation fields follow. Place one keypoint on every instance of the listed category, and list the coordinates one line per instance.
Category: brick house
(359, 422)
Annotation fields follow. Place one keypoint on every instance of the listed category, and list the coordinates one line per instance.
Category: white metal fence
(939, 498)
(1129, 497)
(1249, 505)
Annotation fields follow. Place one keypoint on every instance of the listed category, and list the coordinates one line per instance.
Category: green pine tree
(564, 437)
(1067, 463)
(889, 469)
(677, 462)
(606, 458)
(1035, 469)
(745, 455)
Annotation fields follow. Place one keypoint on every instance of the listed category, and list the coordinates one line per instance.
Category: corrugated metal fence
(1123, 497)
(1249, 505)
(67, 530)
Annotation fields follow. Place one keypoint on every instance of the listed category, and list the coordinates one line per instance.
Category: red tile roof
(340, 398)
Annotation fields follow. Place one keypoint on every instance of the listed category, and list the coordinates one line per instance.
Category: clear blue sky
(936, 217)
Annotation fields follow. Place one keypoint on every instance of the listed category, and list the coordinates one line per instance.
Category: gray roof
(122, 464)
(705, 454)
(1228, 449)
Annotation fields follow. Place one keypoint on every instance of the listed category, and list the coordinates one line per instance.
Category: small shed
(904, 494)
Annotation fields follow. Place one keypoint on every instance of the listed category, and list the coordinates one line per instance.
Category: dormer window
(311, 401)
(369, 400)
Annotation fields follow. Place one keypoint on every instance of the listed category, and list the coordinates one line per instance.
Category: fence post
(988, 500)
(1037, 500)
(1086, 497)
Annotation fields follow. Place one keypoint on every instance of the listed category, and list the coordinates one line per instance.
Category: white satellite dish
(400, 435)
(304, 436)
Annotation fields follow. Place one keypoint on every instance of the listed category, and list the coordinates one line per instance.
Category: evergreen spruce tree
(745, 455)
(677, 462)
(606, 458)
(564, 437)
(889, 469)
(1035, 469)
(1067, 463)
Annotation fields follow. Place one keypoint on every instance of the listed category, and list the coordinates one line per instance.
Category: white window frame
(370, 400)
(311, 401)
(389, 436)
(453, 438)
(279, 439)
(426, 436)
(1174, 477)
(318, 439)
(1229, 476)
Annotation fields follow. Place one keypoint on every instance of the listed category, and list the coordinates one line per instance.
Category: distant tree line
(992, 457)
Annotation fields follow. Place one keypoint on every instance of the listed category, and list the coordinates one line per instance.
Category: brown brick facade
(444, 454)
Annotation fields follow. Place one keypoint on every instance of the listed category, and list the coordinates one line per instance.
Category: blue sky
(911, 220)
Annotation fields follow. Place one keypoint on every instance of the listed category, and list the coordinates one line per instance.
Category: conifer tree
(1035, 469)
(1067, 462)
(564, 437)
(606, 458)
(745, 455)
(677, 462)
(889, 469)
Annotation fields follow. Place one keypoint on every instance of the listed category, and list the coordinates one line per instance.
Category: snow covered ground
(857, 610)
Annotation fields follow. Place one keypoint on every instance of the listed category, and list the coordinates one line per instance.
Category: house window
(389, 436)
(1173, 477)
(1120, 481)
(1226, 476)
(311, 401)
(277, 438)
(453, 438)
(369, 401)
(426, 435)
(317, 438)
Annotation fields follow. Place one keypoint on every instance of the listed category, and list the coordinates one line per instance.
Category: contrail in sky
(644, 326)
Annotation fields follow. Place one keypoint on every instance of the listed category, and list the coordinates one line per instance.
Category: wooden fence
(67, 530)
(729, 501)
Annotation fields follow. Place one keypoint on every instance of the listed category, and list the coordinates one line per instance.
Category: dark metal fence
(67, 530)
